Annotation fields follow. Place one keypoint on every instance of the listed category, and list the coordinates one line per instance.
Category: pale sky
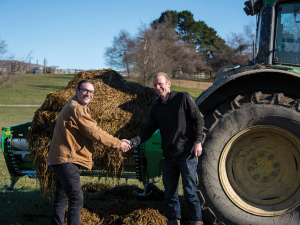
(73, 34)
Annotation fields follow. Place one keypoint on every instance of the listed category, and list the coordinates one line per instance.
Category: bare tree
(120, 54)
(242, 44)
(3, 48)
(159, 48)
(9, 66)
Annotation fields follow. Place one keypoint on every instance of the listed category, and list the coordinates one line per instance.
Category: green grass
(27, 206)
(32, 88)
(28, 89)
(10, 116)
(193, 92)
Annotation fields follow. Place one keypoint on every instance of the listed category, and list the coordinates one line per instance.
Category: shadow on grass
(49, 87)
(25, 206)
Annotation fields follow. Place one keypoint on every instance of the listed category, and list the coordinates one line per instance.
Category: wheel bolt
(274, 173)
(266, 178)
(251, 168)
(256, 176)
(270, 157)
(261, 155)
(275, 164)
(254, 159)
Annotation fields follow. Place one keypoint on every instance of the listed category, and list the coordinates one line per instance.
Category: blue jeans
(68, 190)
(187, 167)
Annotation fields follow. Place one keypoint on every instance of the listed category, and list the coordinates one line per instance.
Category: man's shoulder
(76, 107)
(187, 95)
(180, 95)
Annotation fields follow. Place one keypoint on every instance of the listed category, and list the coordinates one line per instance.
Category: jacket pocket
(83, 155)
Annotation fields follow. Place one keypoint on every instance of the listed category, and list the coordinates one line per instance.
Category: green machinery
(250, 170)
(143, 163)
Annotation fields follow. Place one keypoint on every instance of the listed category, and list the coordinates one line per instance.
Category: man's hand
(197, 149)
(125, 145)
(126, 141)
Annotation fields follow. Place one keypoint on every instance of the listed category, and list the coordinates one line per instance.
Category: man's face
(86, 93)
(161, 86)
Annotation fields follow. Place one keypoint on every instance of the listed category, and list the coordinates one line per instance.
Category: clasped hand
(125, 145)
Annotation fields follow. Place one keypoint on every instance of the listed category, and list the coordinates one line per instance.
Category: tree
(120, 54)
(197, 34)
(242, 44)
(3, 48)
(170, 15)
(159, 48)
(9, 66)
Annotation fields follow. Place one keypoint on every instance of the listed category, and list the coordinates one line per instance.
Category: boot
(196, 223)
(173, 222)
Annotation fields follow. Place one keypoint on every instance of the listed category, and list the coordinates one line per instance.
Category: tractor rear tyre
(249, 170)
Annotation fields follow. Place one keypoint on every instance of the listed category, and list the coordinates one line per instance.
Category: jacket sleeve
(148, 130)
(197, 119)
(89, 128)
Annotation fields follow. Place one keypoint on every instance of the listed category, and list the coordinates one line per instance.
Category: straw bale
(121, 108)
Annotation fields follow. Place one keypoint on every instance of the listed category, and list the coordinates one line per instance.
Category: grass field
(27, 206)
(29, 89)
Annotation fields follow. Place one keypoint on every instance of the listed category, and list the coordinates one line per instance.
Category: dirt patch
(191, 84)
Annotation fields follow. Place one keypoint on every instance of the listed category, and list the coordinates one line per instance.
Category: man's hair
(162, 74)
(84, 81)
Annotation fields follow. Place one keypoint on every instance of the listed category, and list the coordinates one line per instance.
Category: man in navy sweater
(181, 127)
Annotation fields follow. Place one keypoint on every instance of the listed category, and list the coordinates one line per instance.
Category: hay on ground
(122, 212)
(93, 187)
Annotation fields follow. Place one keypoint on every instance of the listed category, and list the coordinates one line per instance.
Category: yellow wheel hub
(259, 170)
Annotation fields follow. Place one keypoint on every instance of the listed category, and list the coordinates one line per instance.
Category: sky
(73, 34)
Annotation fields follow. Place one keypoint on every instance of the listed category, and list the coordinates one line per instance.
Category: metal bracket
(153, 181)
(12, 184)
(144, 194)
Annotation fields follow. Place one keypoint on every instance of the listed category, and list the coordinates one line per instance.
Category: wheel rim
(259, 170)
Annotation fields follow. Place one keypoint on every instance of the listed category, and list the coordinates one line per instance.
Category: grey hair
(163, 75)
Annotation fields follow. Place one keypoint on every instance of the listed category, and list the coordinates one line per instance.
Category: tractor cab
(278, 31)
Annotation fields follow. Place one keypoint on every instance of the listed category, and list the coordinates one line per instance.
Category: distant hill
(4, 63)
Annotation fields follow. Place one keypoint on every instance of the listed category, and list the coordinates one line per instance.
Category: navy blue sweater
(179, 121)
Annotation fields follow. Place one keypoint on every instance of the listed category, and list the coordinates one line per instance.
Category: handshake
(126, 145)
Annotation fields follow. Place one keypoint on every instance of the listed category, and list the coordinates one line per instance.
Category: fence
(67, 71)
(201, 76)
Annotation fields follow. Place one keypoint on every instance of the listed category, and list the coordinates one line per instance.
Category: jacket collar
(75, 98)
(172, 95)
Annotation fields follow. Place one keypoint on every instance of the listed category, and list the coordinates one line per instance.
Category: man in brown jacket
(71, 147)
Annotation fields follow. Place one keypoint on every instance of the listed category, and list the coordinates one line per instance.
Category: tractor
(249, 172)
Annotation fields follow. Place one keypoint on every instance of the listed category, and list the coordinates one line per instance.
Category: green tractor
(249, 172)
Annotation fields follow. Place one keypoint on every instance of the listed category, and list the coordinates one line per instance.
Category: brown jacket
(74, 134)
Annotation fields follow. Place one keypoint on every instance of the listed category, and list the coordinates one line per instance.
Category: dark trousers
(68, 190)
(187, 167)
